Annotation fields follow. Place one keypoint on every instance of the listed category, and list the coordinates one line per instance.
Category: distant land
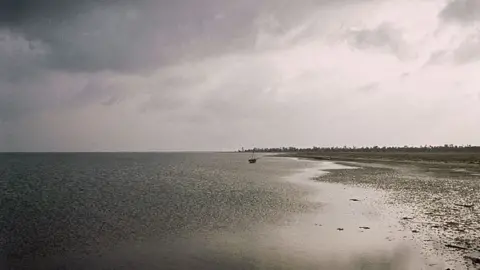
(448, 153)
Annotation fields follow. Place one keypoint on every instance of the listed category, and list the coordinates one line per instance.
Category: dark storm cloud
(16, 11)
(127, 35)
(41, 37)
(18, 58)
(463, 11)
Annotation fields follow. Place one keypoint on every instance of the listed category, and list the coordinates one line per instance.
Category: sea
(143, 210)
(190, 211)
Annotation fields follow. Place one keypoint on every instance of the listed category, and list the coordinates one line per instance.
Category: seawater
(136, 210)
(189, 211)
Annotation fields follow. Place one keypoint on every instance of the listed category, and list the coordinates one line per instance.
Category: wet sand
(443, 158)
(436, 206)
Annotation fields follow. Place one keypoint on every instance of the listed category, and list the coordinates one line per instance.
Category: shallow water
(191, 211)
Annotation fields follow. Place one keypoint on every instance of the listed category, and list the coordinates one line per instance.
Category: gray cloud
(437, 57)
(140, 35)
(146, 74)
(23, 98)
(41, 37)
(463, 11)
(19, 58)
(467, 52)
(384, 38)
(97, 91)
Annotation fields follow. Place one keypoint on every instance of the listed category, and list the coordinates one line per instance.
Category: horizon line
(118, 151)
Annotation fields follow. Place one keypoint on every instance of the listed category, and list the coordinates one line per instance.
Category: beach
(455, 157)
(437, 200)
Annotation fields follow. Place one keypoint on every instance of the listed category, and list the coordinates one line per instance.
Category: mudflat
(440, 197)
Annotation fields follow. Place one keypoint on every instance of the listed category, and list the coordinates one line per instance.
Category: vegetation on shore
(424, 148)
(446, 154)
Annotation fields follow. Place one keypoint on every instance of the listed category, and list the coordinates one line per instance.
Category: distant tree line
(425, 148)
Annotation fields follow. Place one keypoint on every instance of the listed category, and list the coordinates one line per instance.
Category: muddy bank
(442, 204)
(450, 159)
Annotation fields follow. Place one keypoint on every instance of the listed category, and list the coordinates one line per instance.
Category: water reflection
(245, 252)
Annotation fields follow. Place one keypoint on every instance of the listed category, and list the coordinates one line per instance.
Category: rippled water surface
(73, 209)
(189, 211)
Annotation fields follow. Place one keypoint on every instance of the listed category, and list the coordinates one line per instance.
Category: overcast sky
(218, 75)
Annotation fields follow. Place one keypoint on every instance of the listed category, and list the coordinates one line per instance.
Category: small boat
(253, 159)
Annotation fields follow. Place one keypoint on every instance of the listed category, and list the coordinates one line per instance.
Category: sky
(181, 75)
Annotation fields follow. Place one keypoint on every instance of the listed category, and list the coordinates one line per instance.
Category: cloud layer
(217, 75)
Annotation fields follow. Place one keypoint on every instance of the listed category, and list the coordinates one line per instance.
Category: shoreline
(436, 159)
(446, 216)
(342, 233)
